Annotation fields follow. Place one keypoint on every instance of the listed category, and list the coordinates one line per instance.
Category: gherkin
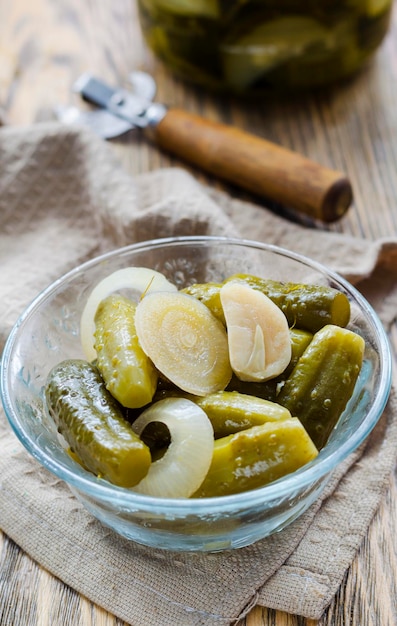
(93, 424)
(129, 374)
(322, 381)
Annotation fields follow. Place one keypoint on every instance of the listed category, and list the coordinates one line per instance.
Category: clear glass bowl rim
(306, 476)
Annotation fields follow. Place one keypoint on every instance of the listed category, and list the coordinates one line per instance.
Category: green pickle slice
(254, 457)
(92, 423)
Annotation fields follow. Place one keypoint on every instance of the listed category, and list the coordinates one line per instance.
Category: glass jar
(244, 46)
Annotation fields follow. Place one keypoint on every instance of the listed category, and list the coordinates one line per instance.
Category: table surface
(44, 47)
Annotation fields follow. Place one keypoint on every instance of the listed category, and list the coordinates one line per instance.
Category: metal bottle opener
(229, 153)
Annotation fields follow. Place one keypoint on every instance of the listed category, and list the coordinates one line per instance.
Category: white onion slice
(182, 469)
(185, 341)
(139, 279)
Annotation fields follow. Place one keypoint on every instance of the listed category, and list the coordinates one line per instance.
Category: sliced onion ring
(140, 279)
(183, 467)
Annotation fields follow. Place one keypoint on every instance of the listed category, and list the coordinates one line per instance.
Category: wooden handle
(255, 164)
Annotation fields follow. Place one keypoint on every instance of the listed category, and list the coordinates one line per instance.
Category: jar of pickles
(249, 46)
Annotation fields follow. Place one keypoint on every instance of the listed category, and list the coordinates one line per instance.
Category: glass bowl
(48, 332)
(254, 46)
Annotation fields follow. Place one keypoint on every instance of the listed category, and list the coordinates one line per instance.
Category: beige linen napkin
(64, 199)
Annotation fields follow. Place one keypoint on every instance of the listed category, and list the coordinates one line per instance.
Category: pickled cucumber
(92, 423)
(128, 373)
(254, 457)
(230, 411)
(323, 380)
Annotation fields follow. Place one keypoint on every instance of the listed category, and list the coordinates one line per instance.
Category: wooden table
(44, 46)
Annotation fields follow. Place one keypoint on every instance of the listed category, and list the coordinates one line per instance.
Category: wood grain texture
(44, 46)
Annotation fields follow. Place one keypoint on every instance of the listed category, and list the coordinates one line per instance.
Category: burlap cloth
(64, 199)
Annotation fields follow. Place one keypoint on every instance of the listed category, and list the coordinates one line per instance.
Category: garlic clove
(258, 333)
